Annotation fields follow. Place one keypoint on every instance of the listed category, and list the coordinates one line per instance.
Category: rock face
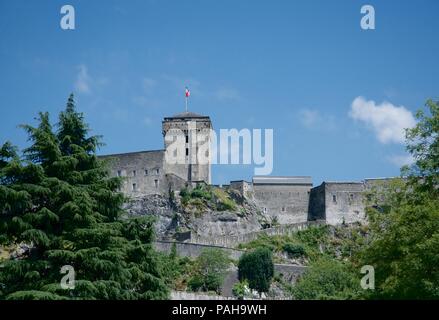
(175, 221)
(157, 206)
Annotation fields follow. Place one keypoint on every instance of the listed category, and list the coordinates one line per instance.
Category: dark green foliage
(62, 204)
(210, 270)
(257, 268)
(327, 279)
(293, 251)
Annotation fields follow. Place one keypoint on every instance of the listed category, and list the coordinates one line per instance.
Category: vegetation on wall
(205, 198)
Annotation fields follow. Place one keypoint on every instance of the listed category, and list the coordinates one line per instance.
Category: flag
(187, 92)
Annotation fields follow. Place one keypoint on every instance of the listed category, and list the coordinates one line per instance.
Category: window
(334, 198)
(187, 152)
(134, 173)
(351, 197)
(283, 209)
(265, 210)
(119, 173)
(156, 183)
(157, 171)
(187, 139)
(134, 187)
(146, 172)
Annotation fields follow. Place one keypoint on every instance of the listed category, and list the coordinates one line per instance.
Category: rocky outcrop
(174, 221)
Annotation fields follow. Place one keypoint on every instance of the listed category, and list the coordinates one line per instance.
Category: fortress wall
(289, 203)
(243, 187)
(184, 141)
(193, 250)
(232, 241)
(144, 169)
(316, 209)
(183, 295)
(289, 273)
(344, 202)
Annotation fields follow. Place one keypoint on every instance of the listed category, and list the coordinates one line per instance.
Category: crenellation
(285, 200)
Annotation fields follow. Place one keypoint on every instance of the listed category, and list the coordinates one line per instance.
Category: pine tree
(60, 202)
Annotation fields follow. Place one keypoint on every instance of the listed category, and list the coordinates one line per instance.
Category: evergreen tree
(60, 203)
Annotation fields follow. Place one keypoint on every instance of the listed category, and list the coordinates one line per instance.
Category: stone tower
(187, 146)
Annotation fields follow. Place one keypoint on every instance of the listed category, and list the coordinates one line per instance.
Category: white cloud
(83, 80)
(401, 160)
(313, 119)
(386, 120)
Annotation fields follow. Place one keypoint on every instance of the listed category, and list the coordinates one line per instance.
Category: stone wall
(285, 203)
(344, 202)
(142, 172)
(193, 250)
(185, 138)
(183, 295)
(232, 241)
(317, 209)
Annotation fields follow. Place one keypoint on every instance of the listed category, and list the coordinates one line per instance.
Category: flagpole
(186, 103)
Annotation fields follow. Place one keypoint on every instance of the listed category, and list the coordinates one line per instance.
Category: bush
(200, 192)
(210, 269)
(239, 289)
(294, 250)
(327, 280)
(257, 268)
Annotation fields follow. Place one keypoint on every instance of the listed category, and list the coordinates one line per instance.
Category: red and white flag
(187, 92)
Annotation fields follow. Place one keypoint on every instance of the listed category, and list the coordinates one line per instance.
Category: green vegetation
(313, 243)
(404, 221)
(240, 288)
(327, 279)
(401, 240)
(257, 268)
(209, 270)
(293, 250)
(204, 197)
(60, 201)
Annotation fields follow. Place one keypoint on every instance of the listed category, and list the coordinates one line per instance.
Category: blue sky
(298, 67)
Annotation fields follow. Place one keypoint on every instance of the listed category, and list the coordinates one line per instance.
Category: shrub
(210, 270)
(239, 289)
(294, 250)
(257, 268)
(327, 279)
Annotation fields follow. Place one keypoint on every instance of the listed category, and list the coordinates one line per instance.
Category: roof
(343, 182)
(130, 153)
(282, 180)
(187, 115)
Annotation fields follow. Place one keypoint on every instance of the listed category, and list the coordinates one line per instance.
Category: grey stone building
(285, 199)
(185, 161)
(186, 135)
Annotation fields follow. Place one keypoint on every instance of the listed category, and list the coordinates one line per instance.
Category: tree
(210, 269)
(257, 268)
(404, 246)
(327, 279)
(423, 144)
(61, 203)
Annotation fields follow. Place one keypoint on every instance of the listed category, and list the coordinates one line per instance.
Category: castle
(287, 199)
